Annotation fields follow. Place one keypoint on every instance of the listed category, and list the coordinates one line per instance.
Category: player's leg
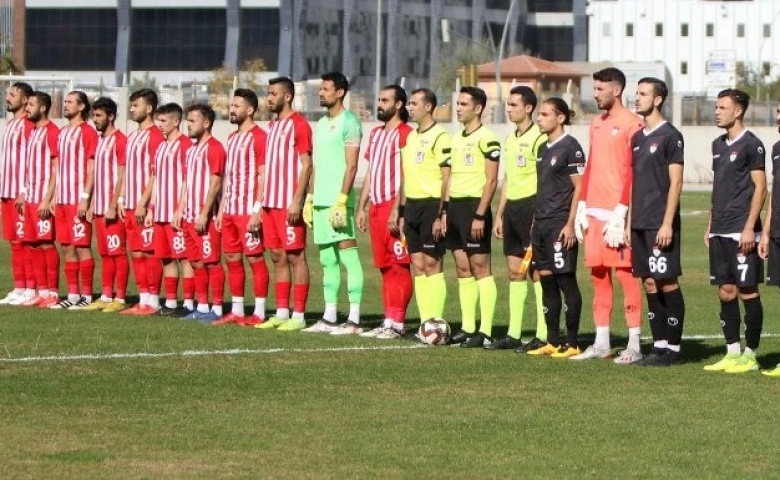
(773, 278)
(300, 280)
(601, 278)
(13, 229)
(107, 266)
(515, 249)
(479, 264)
(350, 259)
(721, 252)
(137, 259)
(749, 275)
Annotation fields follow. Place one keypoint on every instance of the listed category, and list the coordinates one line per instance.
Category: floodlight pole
(498, 111)
(378, 72)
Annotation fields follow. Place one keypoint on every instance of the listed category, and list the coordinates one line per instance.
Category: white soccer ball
(435, 331)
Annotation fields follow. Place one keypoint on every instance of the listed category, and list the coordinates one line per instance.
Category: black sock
(656, 316)
(552, 308)
(754, 322)
(675, 315)
(729, 320)
(571, 294)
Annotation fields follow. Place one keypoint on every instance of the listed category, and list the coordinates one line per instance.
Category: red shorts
(169, 243)
(598, 254)
(387, 248)
(37, 229)
(235, 238)
(110, 236)
(278, 235)
(205, 247)
(13, 224)
(139, 239)
(70, 229)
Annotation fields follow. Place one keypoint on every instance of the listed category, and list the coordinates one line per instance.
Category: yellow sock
(437, 295)
(469, 296)
(422, 296)
(487, 304)
(518, 291)
(541, 323)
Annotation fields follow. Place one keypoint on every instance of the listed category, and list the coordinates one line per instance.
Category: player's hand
(338, 212)
(477, 229)
(360, 220)
(440, 227)
(567, 236)
(392, 222)
(627, 237)
(498, 227)
(308, 210)
(763, 246)
(747, 241)
(176, 220)
(294, 213)
(581, 221)
(82, 209)
(140, 214)
(614, 229)
(218, 221)
(19, 203)
(201, 222)
(111, 213)
(148, 221)
(253, 226)
(44, 210)
(89, 215)
(664, 237)
(120, 211)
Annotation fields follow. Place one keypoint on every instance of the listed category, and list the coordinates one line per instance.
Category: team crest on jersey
(468, 159)
(733, 156)
(520, 160)
(557, 246)
(741, 257)
(656, 252)
(419, 157)
(553, 160)
(760, 150)
(679, 143)
(653, 148)
(615, 131)
(578, 154)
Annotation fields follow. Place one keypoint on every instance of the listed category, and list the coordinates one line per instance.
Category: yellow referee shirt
(520, 157)
(469, 153)
(422, 158)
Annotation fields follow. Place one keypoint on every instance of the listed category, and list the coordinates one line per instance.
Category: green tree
(146, 81)
(453, 57)
(8, 65)
(222, 81)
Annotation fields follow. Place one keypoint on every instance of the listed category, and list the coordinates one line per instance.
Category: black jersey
(732, 187)
(774, 226)
(557, 163)
(651, 155)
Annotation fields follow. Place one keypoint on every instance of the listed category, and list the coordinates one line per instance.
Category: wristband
(84, 196)
(257, 207)
(479, 216)
(401, 210)
(444, 206)
(120, 199)
(22, 191)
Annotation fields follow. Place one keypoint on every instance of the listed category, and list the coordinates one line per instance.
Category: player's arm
(747, 241)
(443, 151)
(294, 211)
(567, 235)
(21, 198)
(351, 151)
(763, 244)
(360, 213)
(86, 194)
(498, 222)
(111, 213)
(145, 201)
(664, 238)
(215, 185)
(492, 155)
(46, 207)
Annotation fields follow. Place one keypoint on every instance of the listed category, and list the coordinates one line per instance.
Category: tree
(221, 84)
(8, 65)
(146, 81)
(452, 58)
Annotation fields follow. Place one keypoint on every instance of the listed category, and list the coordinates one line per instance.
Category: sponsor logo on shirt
(615, 131)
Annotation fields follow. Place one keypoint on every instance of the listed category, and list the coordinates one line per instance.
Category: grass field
(103, 396)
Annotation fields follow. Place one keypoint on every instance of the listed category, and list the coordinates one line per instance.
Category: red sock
(200, 277)
(236, 277)
(188, 288)
(139, 272)
(122, 273)
(29, 270)
(260, 278)
(72, 277)
(17, 264)
(108, 273)
(387, 286)
(87, 268)
(282, 294)
(171, 287)
(403, 280)
(39, 268)
(52, 267)
(154, 273)
(217, 282)
(300, 295)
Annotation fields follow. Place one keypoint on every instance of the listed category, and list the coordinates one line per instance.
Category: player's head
(143, 104)
(16, 96)
(243, 106)
(76, 104)
(422, 103)
(38, 106)
(608, 86)
(200, 120)
(730, 107)
(103, 113)
(651, 94)
(777, 116)
(333, 89)
(520, 104)
(281, 92)
(471, 104)
(554, 114)
(168, 117)
(391, 102)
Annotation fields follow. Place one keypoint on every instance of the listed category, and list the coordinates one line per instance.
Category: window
(709, 29)
(629, 29)
(683, 29)
(683, 68)
(741, 30)
(659, 29)
(260, 42)
(70, 39)
(767, 30)
(766, 67)
(606, 29)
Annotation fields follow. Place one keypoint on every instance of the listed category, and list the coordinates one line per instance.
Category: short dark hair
(738, 96)
(338, 79)
(24, 87)
(428, 95)
(205, 110)
(43, 98)
(659, 88)
(149, 96)
(286, 83)
(106, 104)
(249, 97)
(611, 74)
(171, 108)
(399, 95)
(84, 100)
(562, 108)
(527, 94)
(477, 94)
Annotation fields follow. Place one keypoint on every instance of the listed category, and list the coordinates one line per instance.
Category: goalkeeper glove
(338, 213)
(580, 221)
(308, 210)
(615, 228)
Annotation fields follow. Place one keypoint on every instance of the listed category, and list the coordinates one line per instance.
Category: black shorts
(517, 219)
(773, 263)
(460, 214)
(729, 267)
(419, 216)
(648, 261)
(549, 253)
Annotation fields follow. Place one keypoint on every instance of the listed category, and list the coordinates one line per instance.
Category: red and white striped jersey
(142, 147)
(203, 160)
(287, 140)
(168, 171)
(15, 137)
(111, 154)
(384, 161)
(77, 146)
(245, 157)
(41, 149)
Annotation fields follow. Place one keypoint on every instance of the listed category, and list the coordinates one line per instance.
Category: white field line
(267, 351)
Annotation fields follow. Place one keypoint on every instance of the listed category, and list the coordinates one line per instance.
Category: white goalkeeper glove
(580, 221)
(615, 228)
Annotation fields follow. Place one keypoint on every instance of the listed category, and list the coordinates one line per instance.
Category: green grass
(294, 407)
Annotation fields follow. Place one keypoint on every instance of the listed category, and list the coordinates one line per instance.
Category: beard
(385, 115)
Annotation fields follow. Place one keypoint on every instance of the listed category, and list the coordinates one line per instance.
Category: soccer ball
(435, 331)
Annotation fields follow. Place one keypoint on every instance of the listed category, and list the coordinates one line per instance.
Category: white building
(701, 42)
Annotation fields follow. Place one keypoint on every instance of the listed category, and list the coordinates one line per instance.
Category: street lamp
(378, 73)
(498, 112)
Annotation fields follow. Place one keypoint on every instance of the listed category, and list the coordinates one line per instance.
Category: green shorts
(324, 234)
